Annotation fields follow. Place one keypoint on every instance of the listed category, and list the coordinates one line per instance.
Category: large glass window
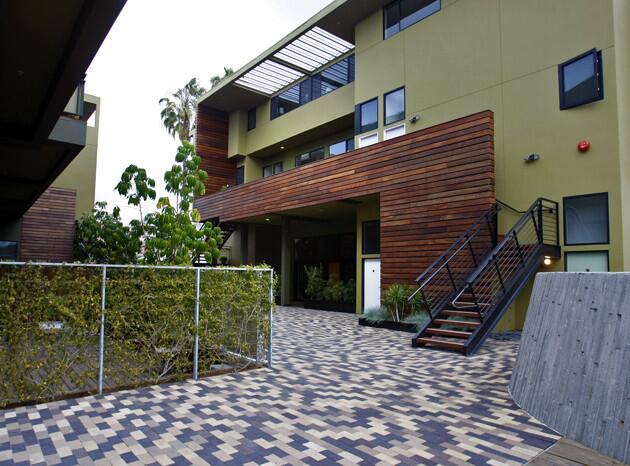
(240, 175)
(583, 261)
(277, 168)
(267, 171)
(586, 219)
(395, 106)
(581, 80)
(401, 14)
(308, 157)
(329, 79)
(341, 147)
(371, 236)
(8, 250)
(251, 119)
(366, 116)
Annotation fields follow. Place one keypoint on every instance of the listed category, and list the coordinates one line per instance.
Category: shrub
(314, 282)
(396, 301)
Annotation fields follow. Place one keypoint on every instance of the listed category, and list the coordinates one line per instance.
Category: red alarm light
(584, 145)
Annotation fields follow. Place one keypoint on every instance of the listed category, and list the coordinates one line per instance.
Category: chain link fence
(74, 329)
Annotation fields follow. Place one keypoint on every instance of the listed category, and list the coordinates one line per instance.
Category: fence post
(270, 350)
(101, 357)
(196, 350)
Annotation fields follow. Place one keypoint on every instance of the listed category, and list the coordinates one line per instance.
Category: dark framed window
(586, 219)
(251, 119)
(308, 157)
(329, 79)
(240, 175)
(586, 261)
(366, 116)
(341, 147)
(267, 171)
(394, 106)
(581, 80)
(371, 237)
(400, 14)
(278, 168)
(8, 250)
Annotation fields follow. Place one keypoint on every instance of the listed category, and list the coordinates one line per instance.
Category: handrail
(509, 207)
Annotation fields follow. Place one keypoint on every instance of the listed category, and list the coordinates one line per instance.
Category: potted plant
(399, 311)
(331, 295)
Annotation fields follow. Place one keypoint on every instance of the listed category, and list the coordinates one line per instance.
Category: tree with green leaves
(216, 79)
(179, 110)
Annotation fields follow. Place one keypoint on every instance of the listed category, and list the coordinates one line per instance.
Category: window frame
(564, 218)
(400, 28)
(369, 135)
(346, 141)
(17, 250)
(404, 117)
(606, 251)
(387, 131)
(270, 167)
(359, 129)
(276, 164)
(310, 156)
(598, 66)
(363, 243)
(239, 171)
(250, 125)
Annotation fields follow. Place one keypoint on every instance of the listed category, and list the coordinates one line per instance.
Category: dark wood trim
(211, 143)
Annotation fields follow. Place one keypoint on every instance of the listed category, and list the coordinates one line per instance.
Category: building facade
(373, 136)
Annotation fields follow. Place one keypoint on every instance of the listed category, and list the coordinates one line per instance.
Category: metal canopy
(309, 52)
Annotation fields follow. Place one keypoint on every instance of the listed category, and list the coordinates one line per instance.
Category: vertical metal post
(270, 350)
(196, 350)
(101, 356)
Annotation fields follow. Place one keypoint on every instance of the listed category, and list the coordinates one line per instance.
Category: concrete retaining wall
(573, 367)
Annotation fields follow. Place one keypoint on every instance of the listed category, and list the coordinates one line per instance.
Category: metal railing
(519, 250)
(448, 273)
(68, 329)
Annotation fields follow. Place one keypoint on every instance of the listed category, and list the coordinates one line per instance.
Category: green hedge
(149, 331)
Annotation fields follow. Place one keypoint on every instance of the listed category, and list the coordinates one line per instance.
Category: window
(581, 80)
(8, 250)
(267, 171)
(591, 261)
(277, 168)
(366, 116)
(341, 147)
(251, 119)
(240, 175)
(395, 106)
(329, 79)
(586, 219)
(394, 132)
(401, 14)
(371, 237)
(368, 140)
(312, 156)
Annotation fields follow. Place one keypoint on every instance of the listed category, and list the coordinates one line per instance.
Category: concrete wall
(573, 366)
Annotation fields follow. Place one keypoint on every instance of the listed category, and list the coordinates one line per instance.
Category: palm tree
(178, 114)
(216, 79)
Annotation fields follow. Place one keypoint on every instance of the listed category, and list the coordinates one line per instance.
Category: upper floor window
(400, 14)
(8, 250)
(586, 219)
(322, 83)
(273, 169)
(395, 106)
(366, 116)
(251, 119)
(240, 175)
(341, 147)
(312, 156)
(581, 80)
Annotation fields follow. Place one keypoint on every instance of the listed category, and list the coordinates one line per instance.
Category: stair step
(449, 333)
(458, 313)
(456, 323)
(440, 343)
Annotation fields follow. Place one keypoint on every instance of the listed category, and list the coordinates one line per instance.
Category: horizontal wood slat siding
(48, 227)
(432, 184)
(211, 143)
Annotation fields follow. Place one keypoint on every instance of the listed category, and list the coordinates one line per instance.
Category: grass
(380, 314)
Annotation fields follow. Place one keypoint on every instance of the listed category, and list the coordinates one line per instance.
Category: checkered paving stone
(338, 394)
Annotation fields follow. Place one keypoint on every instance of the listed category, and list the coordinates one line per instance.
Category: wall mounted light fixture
(414, 119)
(532, 158)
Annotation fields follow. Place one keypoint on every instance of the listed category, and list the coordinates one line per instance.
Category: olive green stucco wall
(80, 175)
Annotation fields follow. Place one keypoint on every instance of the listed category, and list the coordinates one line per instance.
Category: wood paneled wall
(432, 183)
(48, 227)
(211, 142)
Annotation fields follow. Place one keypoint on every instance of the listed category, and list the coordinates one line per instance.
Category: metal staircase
(468, 289)
(226, 232)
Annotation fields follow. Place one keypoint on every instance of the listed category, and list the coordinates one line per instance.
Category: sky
(156, 47)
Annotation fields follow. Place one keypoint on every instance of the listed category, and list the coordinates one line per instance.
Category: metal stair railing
(447, 275)
(520, 248)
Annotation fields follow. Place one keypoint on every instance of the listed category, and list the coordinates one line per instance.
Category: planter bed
(330, 306)
(389, 324)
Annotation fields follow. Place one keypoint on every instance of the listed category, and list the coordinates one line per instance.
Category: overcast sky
(155, 47)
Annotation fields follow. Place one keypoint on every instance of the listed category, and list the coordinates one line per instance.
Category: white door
(371, 284)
